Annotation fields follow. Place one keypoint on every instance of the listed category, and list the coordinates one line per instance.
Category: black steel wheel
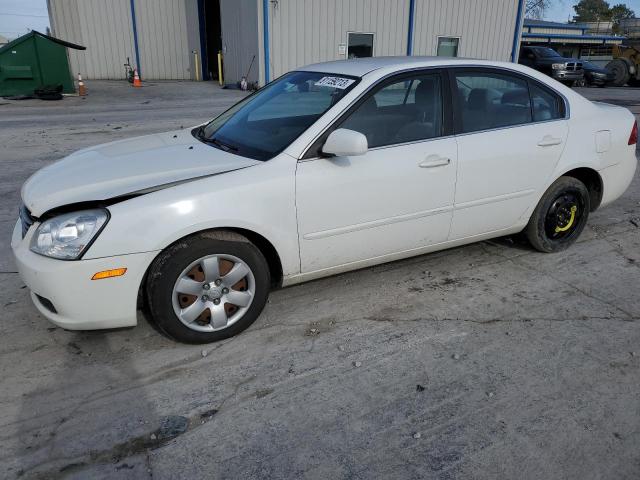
(560, 216)
(564, 215)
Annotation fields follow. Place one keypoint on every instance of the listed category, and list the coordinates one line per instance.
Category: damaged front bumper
(64, 293)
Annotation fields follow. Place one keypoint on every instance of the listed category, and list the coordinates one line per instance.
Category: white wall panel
(486, 27)
(163, 39)
(105, 28)
(310, 31)
(563, 31)
(240, 39)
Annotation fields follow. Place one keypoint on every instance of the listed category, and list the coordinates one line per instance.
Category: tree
(620, 11)
(592, 11)
(535, 8)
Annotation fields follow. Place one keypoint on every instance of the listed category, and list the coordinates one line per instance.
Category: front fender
(260, 199)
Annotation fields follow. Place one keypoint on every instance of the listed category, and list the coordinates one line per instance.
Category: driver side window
(403, 111)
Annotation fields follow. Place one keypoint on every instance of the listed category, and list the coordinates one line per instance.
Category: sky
(561, 10)
(17, 17)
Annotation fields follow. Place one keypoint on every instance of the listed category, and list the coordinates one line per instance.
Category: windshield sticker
(335, 82)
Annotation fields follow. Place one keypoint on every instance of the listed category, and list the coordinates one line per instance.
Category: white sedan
(330, 168)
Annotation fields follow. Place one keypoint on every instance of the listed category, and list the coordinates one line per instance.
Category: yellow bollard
(220, 79)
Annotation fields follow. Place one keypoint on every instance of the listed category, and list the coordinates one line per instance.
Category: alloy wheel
(213, 292)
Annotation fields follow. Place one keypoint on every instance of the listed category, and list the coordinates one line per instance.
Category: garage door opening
(210, 37)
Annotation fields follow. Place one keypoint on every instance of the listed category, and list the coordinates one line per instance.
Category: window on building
(546, 105)
(596, 51)
(401, 111)
(491, 100)
(448, 46)
(360, 45)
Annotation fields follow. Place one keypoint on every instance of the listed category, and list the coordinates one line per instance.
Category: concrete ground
(487, 361)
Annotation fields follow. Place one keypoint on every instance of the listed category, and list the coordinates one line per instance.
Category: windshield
(547, 52)
(265, 123)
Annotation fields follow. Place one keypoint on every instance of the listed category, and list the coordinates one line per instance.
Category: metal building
(262, 39)
(572, 39)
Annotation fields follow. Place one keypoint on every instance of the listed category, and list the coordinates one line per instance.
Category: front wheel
(208, 287)
(560, 216)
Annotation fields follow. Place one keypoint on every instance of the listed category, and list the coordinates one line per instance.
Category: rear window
(546, 105)
(491, 100)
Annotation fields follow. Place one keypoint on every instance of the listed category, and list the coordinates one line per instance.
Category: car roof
(358, 67)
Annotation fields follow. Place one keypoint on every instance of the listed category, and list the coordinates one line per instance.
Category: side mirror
(345, 143)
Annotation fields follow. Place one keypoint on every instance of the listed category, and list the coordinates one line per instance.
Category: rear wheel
(208, 287)
(620, 70)
(560, 216)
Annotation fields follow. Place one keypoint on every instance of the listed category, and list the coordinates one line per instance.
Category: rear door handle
(433, 161)
(548, 141)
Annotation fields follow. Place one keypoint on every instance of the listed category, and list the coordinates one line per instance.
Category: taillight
(633, 138)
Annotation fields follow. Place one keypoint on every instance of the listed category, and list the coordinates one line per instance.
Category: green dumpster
(32, 61)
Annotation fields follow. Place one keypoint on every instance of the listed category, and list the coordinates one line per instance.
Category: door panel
(508, 146)
(501, 174)
(383, 202)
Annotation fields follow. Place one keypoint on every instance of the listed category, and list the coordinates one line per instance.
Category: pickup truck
(550, 62)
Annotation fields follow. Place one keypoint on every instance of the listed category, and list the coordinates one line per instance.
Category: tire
(620, 70)
(205, 272)
(555, 224)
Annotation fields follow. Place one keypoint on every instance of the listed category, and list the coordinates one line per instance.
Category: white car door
(511, 133)
(395, 198)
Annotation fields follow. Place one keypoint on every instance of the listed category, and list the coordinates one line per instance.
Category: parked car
(550, 62)
(595, 75)
(330, 168)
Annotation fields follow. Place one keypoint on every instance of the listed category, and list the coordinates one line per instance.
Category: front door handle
(548, 141)
(433, 161)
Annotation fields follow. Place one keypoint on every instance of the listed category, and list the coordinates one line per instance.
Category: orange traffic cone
(136, 78)
(82, 90)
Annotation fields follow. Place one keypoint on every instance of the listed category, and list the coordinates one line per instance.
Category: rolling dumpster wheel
(208, 287)
(560, 216)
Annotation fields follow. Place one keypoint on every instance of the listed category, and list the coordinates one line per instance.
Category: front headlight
(557, 66)
(68, 235)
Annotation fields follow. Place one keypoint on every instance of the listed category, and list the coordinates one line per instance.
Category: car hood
(125, 167)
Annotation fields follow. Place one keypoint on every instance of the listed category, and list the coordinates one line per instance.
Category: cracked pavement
(507, 362)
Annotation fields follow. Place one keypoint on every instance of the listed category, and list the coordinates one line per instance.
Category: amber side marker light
(116, 272)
